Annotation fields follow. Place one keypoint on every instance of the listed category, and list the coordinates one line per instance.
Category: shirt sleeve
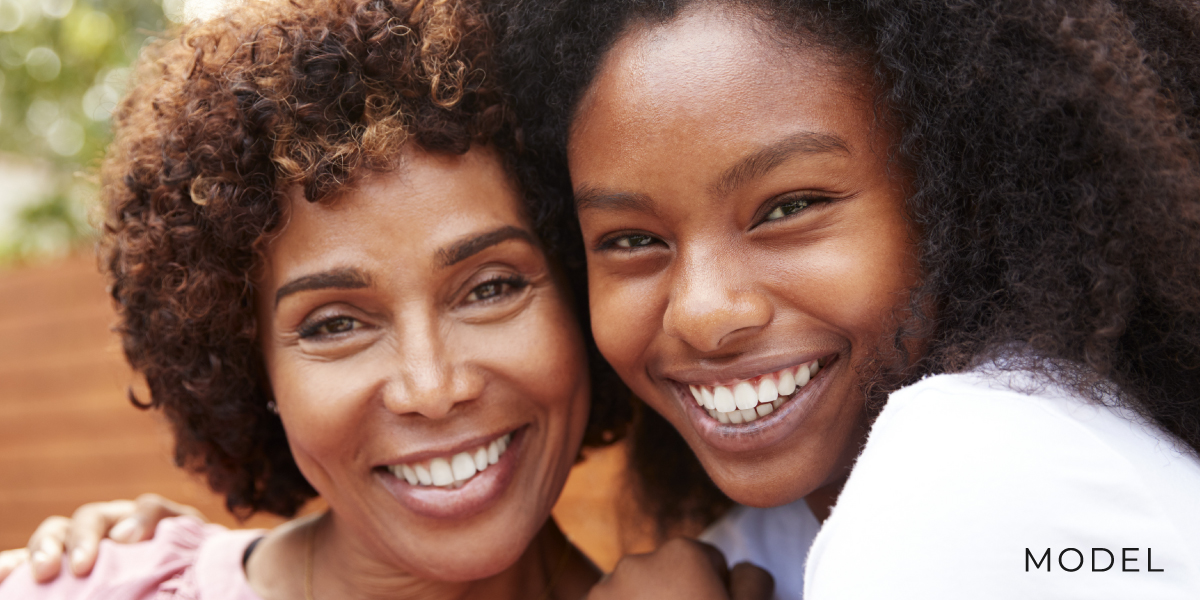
(122, 571)
(963, 492)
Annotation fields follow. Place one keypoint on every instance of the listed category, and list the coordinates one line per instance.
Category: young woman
(327, 274)
(794, 211)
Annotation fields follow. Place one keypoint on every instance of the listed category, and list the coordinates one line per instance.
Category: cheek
(318, 403)
(862, 281)
(543, 355)
(624, 319)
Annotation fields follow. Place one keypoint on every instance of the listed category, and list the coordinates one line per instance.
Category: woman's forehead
(403, 215)
(647, 121)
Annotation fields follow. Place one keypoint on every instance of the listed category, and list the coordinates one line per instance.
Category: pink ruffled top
(186, 560)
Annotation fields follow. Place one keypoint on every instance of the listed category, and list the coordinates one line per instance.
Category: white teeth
(744, 403)
(462, 465)
(423, 476)
(767, 392)
(439, 468)
(409, 474)
(802, 376)
(745, 396)
(454, 472)
(723, 399)
(787, 383)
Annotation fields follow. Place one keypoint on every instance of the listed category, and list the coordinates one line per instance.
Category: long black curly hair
(1053, 149)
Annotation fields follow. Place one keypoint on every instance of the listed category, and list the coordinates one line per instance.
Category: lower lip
(763, 432)
(474, 497)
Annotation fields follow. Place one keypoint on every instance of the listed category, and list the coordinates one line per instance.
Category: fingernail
(124, 530)
(76, 557)
(50, 547)
(38, 557)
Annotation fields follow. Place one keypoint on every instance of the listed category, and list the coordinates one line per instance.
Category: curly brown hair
(1053, 147)
(223, 120)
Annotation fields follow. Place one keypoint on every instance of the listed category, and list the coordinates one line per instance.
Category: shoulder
(163, 567)
(963, 474)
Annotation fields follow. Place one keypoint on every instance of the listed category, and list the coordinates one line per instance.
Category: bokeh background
(68, 433)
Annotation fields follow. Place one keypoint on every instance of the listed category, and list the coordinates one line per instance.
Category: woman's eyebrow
(341, 279)
(763, 160)
(469, 246)
(601, 199)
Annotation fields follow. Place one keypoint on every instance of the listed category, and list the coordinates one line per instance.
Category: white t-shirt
(969, 489)
(776, 539)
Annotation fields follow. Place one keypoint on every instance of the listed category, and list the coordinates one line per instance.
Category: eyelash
(801, 201)
(514, 282)
(804, 202)
(612, 242)
(311, 330)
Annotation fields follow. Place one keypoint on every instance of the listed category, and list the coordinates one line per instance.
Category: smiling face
(427, 369)
(742, 228)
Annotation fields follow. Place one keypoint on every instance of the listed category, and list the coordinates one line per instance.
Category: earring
(271, 406)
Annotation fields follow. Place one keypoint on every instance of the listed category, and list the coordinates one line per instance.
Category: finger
(148, 511)
(46, 548)
(750, 582)
(89, 524)
(152, 508)
(10, 560)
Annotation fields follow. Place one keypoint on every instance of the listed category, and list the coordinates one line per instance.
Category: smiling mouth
(750, 399)
(452, 471)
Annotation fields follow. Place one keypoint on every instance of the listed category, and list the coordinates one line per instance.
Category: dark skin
(412, 312)
(740, 218)
(412, 319)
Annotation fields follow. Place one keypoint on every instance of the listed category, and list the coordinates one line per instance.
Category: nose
(712, 302)
(429, 380)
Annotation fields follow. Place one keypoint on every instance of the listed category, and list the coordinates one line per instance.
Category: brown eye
(332, 326)
(636, 240)
(787, 208)
(495, 288)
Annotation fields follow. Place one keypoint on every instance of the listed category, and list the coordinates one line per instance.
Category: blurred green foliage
(64, 64)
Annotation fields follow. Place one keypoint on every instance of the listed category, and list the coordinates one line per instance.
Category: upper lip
(446, 449)
(739, 371)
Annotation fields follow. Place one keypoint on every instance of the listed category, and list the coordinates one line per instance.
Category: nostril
(708, 328)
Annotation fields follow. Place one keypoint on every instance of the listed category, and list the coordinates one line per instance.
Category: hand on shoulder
(683, 569)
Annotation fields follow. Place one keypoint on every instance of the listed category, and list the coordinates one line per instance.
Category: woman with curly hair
(931, 266)
(324, 269)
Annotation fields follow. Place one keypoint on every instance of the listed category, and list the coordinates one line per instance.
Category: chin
(469, 560)
(761, 486)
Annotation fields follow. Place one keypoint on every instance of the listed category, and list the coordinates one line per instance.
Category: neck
(549, 569)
